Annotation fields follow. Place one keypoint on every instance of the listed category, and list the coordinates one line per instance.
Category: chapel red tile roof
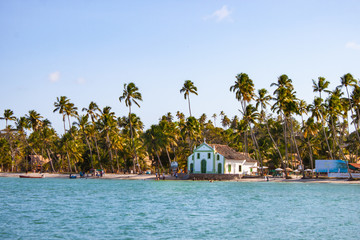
(230, 153)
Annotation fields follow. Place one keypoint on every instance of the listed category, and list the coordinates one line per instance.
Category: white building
(221, 159)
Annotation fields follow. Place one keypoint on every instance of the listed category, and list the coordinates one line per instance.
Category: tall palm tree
(244, 89)
(131, 95)
(349, 81)
(251, 116)
(60, 106)
(310, 129)
(355, 102)
(108, 126)
(70, 111)
(285, 104)
(93, 112)
(188, 88)
(262, 101)
(9, 116)
(83, 125)
(335, 107)
(319, 113)
(244, 93)
(35, 122)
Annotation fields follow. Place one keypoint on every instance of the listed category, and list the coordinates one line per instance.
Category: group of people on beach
(157, 176)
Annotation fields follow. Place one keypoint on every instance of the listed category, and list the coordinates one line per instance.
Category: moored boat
(31, 176)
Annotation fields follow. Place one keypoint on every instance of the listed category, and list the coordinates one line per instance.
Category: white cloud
(220, 15)
(54, 77)
(81, 80)
(353, 45)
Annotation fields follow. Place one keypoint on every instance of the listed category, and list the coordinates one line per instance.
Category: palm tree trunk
(311, 158)
(326, 139)
(296, 147)
(168, 155)
(189, 104)
(90, 149)
(341, 151)
(275, 145)
(352, 113)
(51, 161)
(67, 153)
(133, 143)
(286, 149)
(98, 153)
(258, 149)
(109, 149)
(117, 161)
(158, 157)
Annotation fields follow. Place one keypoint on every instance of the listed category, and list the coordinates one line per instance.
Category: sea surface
(138, 209)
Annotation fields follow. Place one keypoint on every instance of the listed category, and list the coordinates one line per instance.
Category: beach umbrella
(279, 169)
(263, 167)
(308, 170)
(296, 171)
(289, 169)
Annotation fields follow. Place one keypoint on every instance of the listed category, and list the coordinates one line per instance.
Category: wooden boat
(31, 176)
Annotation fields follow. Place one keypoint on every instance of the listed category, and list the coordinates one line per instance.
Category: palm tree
(310, 129)
(60, 106)
(335, 107)
(319, 113)
(108, 126)
(93, 112)
(131, 95)
(34, 119)
(321, 85)
(244, 89)
(355, 102)
(285, 104)
(153, 142)
(244, 93)
(8, 116)
(191, 130)
(214, 116)
(188, 88)
(83, 125)
(251, 116)
(70, 111)
(35, 122)
(262, 100)
(346, 81)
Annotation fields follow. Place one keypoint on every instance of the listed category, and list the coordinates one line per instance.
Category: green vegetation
(279, 131)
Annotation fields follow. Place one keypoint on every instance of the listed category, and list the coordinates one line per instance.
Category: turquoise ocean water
(135, 209)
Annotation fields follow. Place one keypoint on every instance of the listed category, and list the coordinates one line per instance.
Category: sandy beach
(169, 177)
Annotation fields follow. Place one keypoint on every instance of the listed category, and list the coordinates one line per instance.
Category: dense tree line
(278, 130)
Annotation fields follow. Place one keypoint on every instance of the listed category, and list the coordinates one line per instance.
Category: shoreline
(169, 177)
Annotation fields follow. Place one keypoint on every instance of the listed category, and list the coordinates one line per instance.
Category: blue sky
(87, 50)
